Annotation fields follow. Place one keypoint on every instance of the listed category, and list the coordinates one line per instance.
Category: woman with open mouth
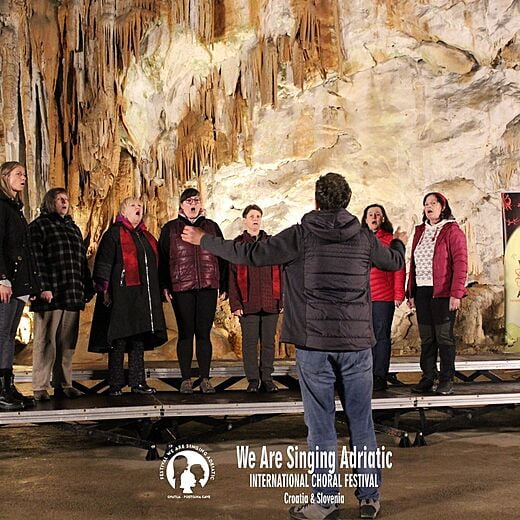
(128, 316)
(60, 258)
(192, 280)
(436, 285)
(387, 293)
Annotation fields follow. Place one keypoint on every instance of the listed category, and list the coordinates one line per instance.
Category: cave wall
(250, 100)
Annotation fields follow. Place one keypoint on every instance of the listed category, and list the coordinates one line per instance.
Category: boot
(8, 402)
(27, 401)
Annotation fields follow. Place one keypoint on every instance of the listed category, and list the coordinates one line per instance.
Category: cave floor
(48, 473)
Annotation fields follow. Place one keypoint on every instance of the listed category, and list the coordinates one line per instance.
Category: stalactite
(475, 266)
(198, 15)
(74, 58)
(510, 152)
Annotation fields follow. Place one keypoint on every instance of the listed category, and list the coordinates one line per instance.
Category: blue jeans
(382, 316)
(351, 372)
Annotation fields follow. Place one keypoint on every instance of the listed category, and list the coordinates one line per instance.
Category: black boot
(27, 401)
(8, 402)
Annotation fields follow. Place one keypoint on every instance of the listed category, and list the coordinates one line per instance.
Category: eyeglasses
(193, 200)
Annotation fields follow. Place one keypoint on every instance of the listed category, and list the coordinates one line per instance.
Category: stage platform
(162, 414)
(165, 370)
(240, 403)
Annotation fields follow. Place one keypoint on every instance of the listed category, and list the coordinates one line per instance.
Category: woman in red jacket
(387, 292)
(255, 297)
(436, 285)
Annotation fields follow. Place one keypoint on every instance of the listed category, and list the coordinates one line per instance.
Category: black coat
(15, 259)
(135, 310)
(60, 257)
(328, 257)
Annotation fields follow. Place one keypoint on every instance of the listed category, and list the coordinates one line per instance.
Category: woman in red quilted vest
(192, 279)
(436, 285)
(255, 296)
(387, 292)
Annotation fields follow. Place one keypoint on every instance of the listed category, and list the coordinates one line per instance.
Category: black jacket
(15, 259)
(60, 258)
(135, 310)
(327, 304)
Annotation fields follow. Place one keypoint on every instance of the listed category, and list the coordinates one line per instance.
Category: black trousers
(195, 312)
(116, 374)
(382, 316)
(258, 327)
(436, 323)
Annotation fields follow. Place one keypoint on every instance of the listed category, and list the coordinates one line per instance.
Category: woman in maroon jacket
(387, 292)
(436, 285)
(191, 279)
(255, 296)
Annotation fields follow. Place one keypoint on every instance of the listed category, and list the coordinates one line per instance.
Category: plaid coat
(61, 263)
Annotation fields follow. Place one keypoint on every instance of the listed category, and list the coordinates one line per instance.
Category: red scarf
(130, 260)
(242, 278)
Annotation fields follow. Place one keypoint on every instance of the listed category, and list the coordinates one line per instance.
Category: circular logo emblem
(187, 468)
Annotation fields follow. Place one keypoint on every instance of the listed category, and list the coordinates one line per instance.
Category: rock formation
(251, 99)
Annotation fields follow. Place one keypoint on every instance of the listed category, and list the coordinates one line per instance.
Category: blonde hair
(5, 169)
(126, 202)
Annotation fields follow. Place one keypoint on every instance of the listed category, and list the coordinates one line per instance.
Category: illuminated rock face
(252, 99)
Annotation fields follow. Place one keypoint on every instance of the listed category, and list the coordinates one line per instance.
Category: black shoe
(380, 384)
(27, 400)
(8, 402)
(269, 387)
(253, 386)
(445, 388)
(424, 386)
(143, 389)
(115, 391)
(67, 393)
(369, 508)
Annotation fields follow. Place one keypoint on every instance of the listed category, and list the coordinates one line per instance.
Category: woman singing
(436, 285)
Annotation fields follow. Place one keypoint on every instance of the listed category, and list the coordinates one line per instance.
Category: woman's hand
(46, 296)
(238, 312)
(167, 295)
(454, 303)
(222, 296)
(411, 303)
(398, 303)
(107, 301)
(5, 294)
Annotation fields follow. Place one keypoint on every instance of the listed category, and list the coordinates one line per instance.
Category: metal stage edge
(283, 368)
(289, 405)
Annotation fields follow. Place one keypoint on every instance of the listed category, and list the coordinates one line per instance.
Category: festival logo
(188, 469)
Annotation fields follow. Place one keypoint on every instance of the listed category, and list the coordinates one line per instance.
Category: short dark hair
(386, 225)
(251, 207)
(188, 193)
(332, 191)
(47, 205)
(443, 201)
